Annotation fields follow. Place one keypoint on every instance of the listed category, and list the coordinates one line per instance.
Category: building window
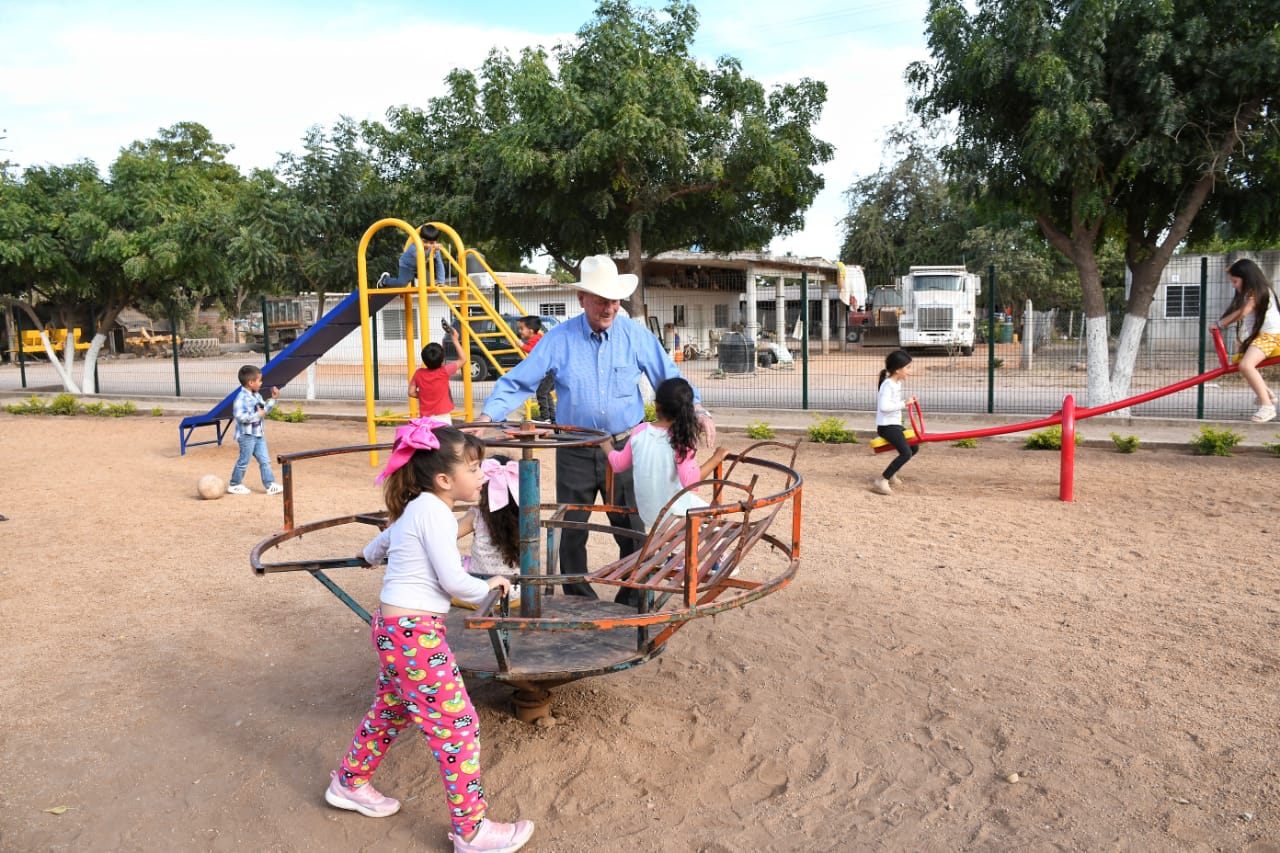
(551, 309)
(1182, 300)
(720, 316)
(677, 315)
(392, 322)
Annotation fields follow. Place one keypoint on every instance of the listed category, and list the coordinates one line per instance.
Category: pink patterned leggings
(419, 681)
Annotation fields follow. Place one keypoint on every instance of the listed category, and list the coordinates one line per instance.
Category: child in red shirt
(530, 331)
(430, 383)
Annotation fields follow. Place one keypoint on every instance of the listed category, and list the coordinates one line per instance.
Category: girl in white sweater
(889, 406)
(419, 684)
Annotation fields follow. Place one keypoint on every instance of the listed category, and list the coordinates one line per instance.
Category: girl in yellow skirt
(1255, 300)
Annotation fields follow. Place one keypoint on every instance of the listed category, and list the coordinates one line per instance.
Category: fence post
(266, 335)
(804, 340)
(1028, 335)
(173, 341)
(22, 361)
(991, 339)
(1204, 292)
(373, 334)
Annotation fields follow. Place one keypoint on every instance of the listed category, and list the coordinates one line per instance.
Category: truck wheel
(766, 358)
(479, 370)
(967, 350)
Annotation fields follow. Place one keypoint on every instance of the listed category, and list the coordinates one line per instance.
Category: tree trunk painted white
(68, 384)
(1126, 356)
(1095, 333)
(91, 362)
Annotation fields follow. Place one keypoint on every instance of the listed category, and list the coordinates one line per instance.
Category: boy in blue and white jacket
(249, 412)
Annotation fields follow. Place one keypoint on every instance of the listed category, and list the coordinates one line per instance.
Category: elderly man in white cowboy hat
(598, 358)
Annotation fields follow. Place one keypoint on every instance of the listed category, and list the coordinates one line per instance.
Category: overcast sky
(82, 79)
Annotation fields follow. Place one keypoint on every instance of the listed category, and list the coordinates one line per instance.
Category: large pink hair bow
(418, 434)
(504, 482)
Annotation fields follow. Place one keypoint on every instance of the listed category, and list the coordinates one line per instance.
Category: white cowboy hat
(600, 276)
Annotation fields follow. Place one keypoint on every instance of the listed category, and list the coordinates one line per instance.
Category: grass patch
(1215, 442)
(67, 404)
(830, 431)
(1125, 443)
(297, 416)
(1048, 439)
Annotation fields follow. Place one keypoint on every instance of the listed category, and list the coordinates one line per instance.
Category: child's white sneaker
(275, 489)
(364, 799)
(238, 489)
(494, 837)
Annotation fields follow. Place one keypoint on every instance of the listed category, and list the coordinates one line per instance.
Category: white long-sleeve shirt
(424, 567)
(889, 403)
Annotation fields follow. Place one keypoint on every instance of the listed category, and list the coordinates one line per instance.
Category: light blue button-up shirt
(597, 375)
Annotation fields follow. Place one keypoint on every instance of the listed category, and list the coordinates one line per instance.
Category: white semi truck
(939, 308)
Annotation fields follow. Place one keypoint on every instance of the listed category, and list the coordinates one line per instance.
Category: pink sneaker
(494, 837)
(364, 799)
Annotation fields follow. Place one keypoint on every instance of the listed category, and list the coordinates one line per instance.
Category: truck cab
(939, 308)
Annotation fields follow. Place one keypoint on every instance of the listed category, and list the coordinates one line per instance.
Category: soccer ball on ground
(210, 487)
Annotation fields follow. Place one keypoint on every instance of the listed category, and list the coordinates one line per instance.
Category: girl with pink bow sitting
(495, 521)
(432, 466)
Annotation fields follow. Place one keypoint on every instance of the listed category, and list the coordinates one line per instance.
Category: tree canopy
(1099, 118)
(908, 214)
(621, 140)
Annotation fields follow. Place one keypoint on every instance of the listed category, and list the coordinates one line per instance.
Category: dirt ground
(1119, 654)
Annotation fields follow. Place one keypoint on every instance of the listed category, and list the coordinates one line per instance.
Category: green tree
(170, 225)
(624, 142)
(51, 219)
(333, 191)
(905, 214)
(1102, 119)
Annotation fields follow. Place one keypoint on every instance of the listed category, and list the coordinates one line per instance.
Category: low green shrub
(1125, 443)
(650, 413)
(64, 404)
(157, 411)
(1215, 442)
(1274, 448)
(1048, 439)
(831, 431)
(32, 406)
(67, 404)
(968, 443)
(760, 431)
(297, 416)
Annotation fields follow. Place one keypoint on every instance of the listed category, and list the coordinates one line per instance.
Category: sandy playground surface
(1120, 654)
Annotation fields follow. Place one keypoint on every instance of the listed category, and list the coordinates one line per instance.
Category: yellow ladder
(468, 303)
